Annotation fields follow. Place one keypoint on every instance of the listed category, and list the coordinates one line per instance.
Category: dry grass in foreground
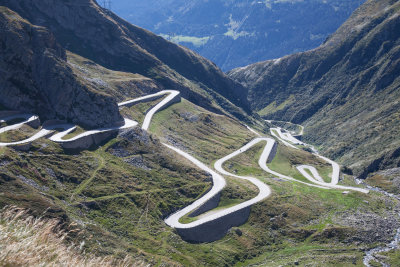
(29, 241)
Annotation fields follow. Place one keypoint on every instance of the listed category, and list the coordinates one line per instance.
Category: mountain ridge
(128, 48)
(350, 81)
(237, 33)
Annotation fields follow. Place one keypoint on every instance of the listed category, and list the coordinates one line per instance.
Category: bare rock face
(35, 77)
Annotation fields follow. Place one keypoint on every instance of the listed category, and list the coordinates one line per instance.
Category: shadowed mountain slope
(35, 77)
(86, 29)
(346, 91)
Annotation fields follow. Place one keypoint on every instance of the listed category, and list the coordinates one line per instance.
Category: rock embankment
(36, 78)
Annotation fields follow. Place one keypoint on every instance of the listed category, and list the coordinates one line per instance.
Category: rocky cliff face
(347, 91)
(94, 33)
(35, 77)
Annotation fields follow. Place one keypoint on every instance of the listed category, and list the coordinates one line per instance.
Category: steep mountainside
(347, 91)
(86, 29)
(238, 33)
(35, 77)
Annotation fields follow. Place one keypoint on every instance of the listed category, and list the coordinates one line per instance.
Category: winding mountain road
(59, 137)
(171, 97)
(49, 128)
(217, 221)
(309, 172)
(27, 118)
(45, 131)
(218, 184)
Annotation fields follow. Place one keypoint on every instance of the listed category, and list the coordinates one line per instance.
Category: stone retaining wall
(272, 154)
(216, 229)
(88, 141)
(209, 205)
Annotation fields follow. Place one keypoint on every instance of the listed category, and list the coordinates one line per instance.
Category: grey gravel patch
(187, 116)
(51, 173)
(278, 179)
(393, 174)
(120, 152)
(137, 161)
(366, 224)
(33, 183)
(135, 134)
(130, 137)
(4, 163)
(390, 172)
(97, 81)
(175, 143)
(82, 69)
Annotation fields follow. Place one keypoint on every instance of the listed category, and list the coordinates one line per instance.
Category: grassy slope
(313, 221)
(102, 193)
(121, 206)
(107, 196)
(306, 216)
(119, 201)
(19, 134)
(207, 135)
(287, 159)
(137, 112)
(119, 84)
(124, 86)
(128, 48)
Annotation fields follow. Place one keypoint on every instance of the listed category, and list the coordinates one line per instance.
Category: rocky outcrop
(347, 91)
(35, 77)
